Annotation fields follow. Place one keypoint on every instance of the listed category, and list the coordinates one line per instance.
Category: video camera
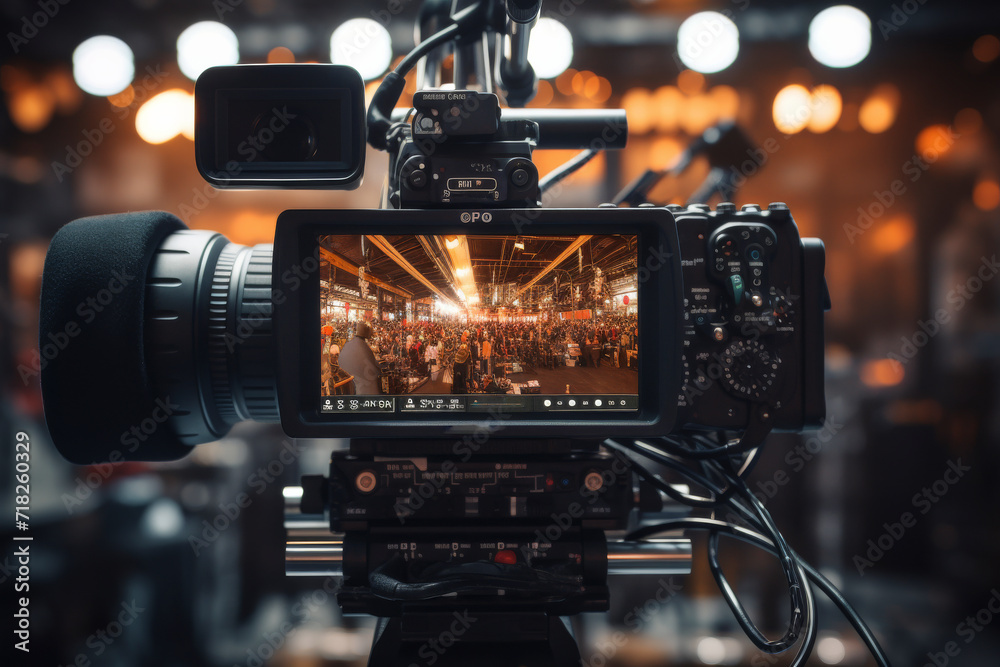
(497, 366)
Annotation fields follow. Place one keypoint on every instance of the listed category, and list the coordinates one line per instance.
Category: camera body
(485, 486)
(458, 151)
(753, 303)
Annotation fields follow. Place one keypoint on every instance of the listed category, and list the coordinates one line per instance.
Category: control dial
(749, 369)
(784, 310)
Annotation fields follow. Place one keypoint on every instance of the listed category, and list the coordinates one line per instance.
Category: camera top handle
(467, 24)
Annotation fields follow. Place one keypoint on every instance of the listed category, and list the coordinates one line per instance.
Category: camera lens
(208, 332)
(294, 141)
(164, 335)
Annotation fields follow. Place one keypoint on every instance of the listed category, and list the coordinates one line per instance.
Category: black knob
(519, 177)
(749, 369)
(417, 179)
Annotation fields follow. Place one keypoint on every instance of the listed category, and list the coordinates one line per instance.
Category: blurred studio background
(876, 124)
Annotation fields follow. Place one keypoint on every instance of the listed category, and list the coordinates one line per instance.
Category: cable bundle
(721, 469)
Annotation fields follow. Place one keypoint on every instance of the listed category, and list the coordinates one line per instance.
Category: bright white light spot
(550, 50)
(103, 65)
(163, 519)
(711, 651)
(206, 44)
(165, 116)
(792, 109)
(831, 651)
(708, 42)
(840, 36)
(363, 44)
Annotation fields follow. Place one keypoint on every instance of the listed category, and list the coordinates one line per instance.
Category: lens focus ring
(239, 344)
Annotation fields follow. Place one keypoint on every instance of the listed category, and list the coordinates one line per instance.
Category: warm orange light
(726, 101)
(934, 141)
(451, 242)
(697, 115)
(165, 116)
(280, 54)
(986, 48)
(825, 109)
(31, 108)
(124, 98)
(690, 82)
(67, 95)
(849, 118)
(544, 95)
(564, 82)
(968, 121)
(986, 195)
(593, 172)
(370, 89)
(667, 104)
(13, 79)
(636, 103)
(603, 92)
(792, 108)
(665, 152)
(250, 226)
(882, 373)
(893, 235)
(594, 85)
(580, 81)
(878, 112)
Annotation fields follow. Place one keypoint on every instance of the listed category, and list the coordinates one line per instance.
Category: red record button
(506, 556)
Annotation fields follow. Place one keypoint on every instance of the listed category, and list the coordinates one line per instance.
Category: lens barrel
(208, 333)
(153, 338)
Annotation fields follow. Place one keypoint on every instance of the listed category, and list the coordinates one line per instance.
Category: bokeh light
(826, 105)
(165, 116)
(363, 44)
(792, 108)
(986, 49)
(280, 54)
(103, 65)
(986, 194)
(550, 50)
(878, 111)
(708, 42)
(840, 36)
(206, 44)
